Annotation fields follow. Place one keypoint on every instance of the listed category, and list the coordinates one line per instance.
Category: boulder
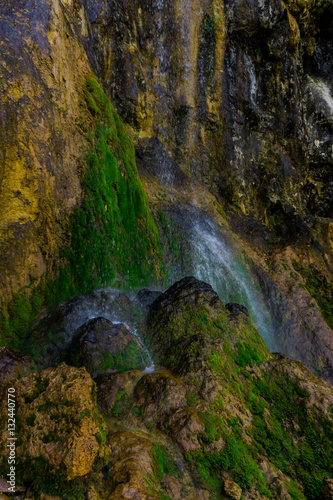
(146, 297)
(102, 346)
(49, 341)
(59, 428)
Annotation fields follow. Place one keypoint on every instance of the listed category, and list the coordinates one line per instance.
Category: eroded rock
(61, 432)
(101, 346)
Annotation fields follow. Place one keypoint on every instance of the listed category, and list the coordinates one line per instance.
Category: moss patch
(114, 240)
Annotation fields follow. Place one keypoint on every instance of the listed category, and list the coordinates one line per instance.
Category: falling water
(215, 262)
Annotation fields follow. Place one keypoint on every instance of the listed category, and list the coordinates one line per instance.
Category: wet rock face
(146, 297)
(52, 337)
(229, 103)
(42, 76)
(101, 346)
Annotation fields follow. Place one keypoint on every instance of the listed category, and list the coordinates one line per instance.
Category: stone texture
(232, 489)
(101, 346)
(12, 364)
(59, 421)
(52, 336)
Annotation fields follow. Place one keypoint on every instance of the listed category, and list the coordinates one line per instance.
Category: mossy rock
(101, 346)
(61, 434)
(189, 317)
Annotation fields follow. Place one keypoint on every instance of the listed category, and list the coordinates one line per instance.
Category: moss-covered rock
(60, 431)
(189, 321)
(101, 346)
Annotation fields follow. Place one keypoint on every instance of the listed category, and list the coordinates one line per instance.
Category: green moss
(247, 354)
(114, 239)
(129, 359)
(41, 477)
(214, 426)
(40, 386)
(304, 454)
(320, 289)
(138, 411)
(162, 463)
(85, 413)
(119, 403)
(191, 398)
(176, 257)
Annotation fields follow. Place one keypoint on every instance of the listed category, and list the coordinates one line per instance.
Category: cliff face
(224, 108)
(43, 70)
(241, 101)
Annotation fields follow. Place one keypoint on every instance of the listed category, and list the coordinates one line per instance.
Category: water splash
(145, 354)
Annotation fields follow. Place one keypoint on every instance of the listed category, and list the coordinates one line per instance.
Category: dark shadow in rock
(237, 309)
(154, 159)
(146, 297)
(13, 364)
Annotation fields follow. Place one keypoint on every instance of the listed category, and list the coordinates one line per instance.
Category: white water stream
(216, 263)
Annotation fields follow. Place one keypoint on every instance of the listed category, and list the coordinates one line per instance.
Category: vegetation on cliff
(114, 240)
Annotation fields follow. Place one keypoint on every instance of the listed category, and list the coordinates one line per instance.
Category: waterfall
(215, 262)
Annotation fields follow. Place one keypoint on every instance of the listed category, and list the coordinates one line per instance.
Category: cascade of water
(146, 357)
(215, 262)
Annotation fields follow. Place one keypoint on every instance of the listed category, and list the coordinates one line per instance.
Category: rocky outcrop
(223, 416)
(59, 328)
(61, 432)
(234, 102)
(43, 72)
(256, 425)
(101, 346)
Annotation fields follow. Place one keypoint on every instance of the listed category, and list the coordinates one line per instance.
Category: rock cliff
(142, 142)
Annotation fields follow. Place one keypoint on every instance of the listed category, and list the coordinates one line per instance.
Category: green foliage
(247, 354)
(162, 463)
(114, 238)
